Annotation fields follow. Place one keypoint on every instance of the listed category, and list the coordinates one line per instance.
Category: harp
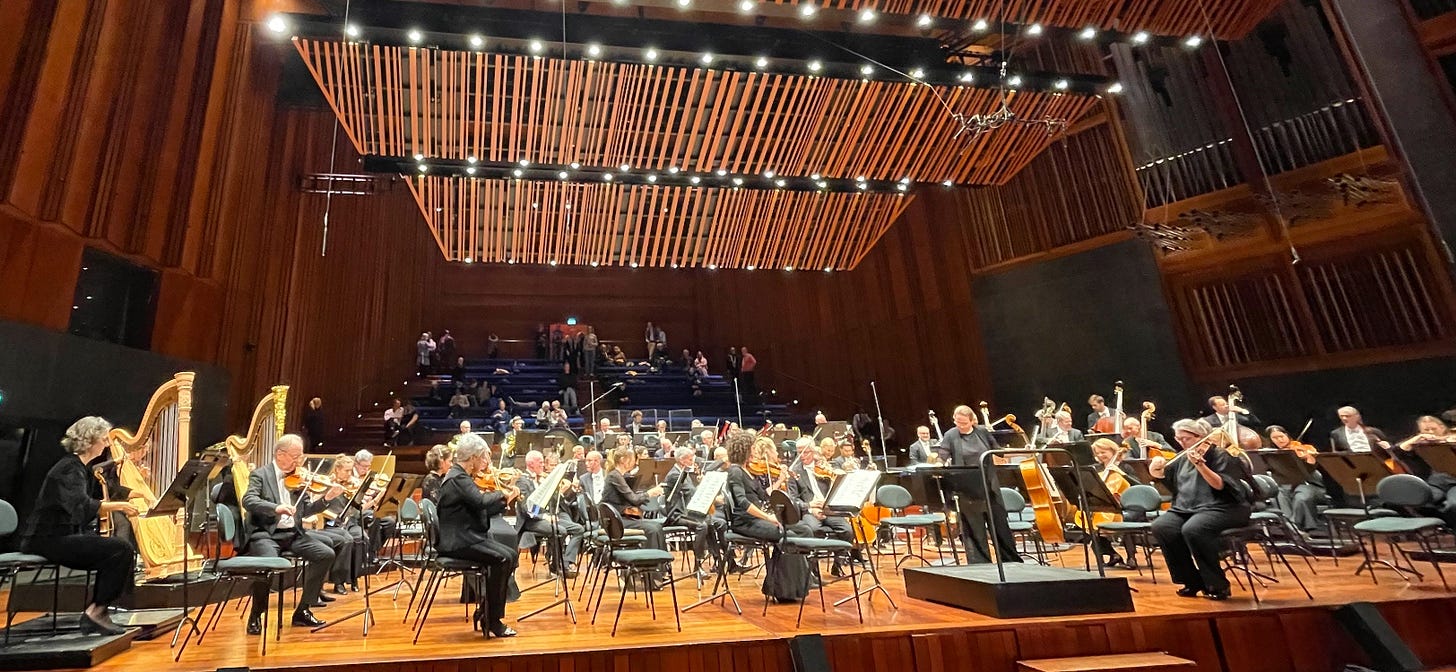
(264, 428)
(146, 462)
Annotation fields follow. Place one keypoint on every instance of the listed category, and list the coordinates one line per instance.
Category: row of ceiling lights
(597, 264)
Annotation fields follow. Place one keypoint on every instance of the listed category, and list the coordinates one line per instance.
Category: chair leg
(621, 599)
(1425, 543)
(676, 613)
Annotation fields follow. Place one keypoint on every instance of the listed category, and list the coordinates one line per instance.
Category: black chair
(1236, 557)
(896, 499)
(438, 569)
(814, 549)
(1024, 531)
(12, 564)
(1410, 494)
(635, 565)
(241, 568)
(1140, 504)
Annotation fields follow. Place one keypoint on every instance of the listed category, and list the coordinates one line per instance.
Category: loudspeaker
(1387, 651)
(808, 654)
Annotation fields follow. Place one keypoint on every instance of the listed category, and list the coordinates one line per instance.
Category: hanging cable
(333, 153)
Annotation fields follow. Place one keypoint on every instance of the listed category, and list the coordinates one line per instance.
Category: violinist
(62, 528)
(1299, 504)
(379, 529)
(680, 484)
(1210, 495)
(465, 534)
(437, 461)
(1430, 429)
(1137, 447)
(545, 524)
(274, 512)
(341, 524)
(617, 493)
(966, 441)
(750, 515)
(810, 486)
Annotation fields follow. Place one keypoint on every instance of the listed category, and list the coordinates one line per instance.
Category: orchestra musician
(1210, 495)
(924, 450)
(1108, 454)
(342, 526)
(110, 471)
(378, 529)
(965, 442)
(809, 487)
(544, 523)
(787, 578)
(62, 528)
(1099, 410)
(1431, 429)
(627, 501)
(1136, 446)
(846, 459)
(1221, 410)
(465, 514)
(274, 513)
(1300, 504)
(437, 461)
(1354, 436)
(1062, 431)
(680, 484)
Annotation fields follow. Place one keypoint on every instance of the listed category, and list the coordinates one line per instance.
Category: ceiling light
(607, 177)
(828, 269)
(1034, 29)
(925, 20)
(815, 176)
(1115, 88)
(750, 267)
(905, 180)
(788, 268)
(553, 262)
(705, 59)
(779, 183)
(684, 3)
(672, 169)
(536, 46)
(863, 186)
(518, 172)
(947, 184)
(567, 205)
(768, 174)
(415, 36)
(561, 175)
(650, 54)
(470, 170)
(277, 23)
(575, 165)
(867, 15)
(625, 168)
(423, 168)
(593, 50)
(1141, 37)
(1088, 34)
(822, 184)
(477, 41)
(712, 267)
(918, 73)
(814, 66)
(761, 63)
(737, 181)
(720, 172)
(351, 30)
(981, 25)
(524, 163)
(470, 160)
(633, 264)
(535, 205)
(695, 179)
(902, 186)
(468, 260)
(967, 77)
(674, 264)
(746, 6)
(1193, 41)
(860, 178)
(867, 70)
(1062, 84)
(652, 177)
(1014, 81)
(807, 10)
(594, 264)
(419, 156)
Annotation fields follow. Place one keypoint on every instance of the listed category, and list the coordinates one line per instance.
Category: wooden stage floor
(1162, 621)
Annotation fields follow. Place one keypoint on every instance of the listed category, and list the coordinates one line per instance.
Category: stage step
(1140, 662)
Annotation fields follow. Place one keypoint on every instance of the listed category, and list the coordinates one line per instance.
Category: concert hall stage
(1286, 632)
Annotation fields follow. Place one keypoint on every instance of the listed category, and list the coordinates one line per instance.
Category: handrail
(990, 524)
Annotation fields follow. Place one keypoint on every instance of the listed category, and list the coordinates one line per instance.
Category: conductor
(965, 442)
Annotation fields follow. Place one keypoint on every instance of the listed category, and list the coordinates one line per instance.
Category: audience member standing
(649, 336)
(446, 348)
(492, 346)
(746, 364)
(314, 424)
(567, 382)
(589, 344)
(541, 341)
(423, 348)
(733, 362)
(659, 345)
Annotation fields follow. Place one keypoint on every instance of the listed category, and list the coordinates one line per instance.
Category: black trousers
(317, 552)
(499, 561)
(786, 577)
(113, 560)
(571, 534)
(973, 533)
(652, 529)
(348, 544)
(1191, 545)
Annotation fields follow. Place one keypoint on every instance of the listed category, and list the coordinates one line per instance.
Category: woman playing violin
(1429, 429)
(341, 524)
(1300, 503)
(617, 493)
(1108, 454)
(1210, 495)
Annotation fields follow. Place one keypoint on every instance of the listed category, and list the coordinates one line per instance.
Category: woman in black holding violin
(1210, 495)
(62, 527)
(628, 502)
(787, 578)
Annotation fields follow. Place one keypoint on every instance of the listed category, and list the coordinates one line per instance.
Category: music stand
(1093, 492)
(833, 429)
(847, 496)
(195, 474)
(1354, 472)
(1140, 471)
(697, 510)
(1285, 467)
(400, 488)
(547, 496)
(1440, 456)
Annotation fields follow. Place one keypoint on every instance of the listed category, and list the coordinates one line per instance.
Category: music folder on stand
(400, 488)
(195, 474)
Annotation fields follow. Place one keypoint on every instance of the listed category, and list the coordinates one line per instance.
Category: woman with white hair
(1210, 495)
(465, 514)
(62, 528)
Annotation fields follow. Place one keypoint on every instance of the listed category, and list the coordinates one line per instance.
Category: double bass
(1111, 423)
(1041, 492)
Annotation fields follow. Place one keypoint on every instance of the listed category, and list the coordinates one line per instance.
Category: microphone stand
(591, 405)
(738, 401)
(880, 415)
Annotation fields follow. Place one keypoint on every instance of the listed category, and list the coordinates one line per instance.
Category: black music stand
(195, 474)
(400, 488)
(837, 502)
(1095, 497)
(1284, 467)
(1139, 470)
(913, 480)
(1440, 456)
(1354, 472)
(558, 546)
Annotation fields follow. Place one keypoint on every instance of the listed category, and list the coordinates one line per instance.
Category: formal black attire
(539, 522)
(265, 493)
(430, 487)
(1245, 420)
(965, 451)
(1340, 443)
(62, 529)
(617, 493)
(115, 492)
(678, 488)
(1189, 532)
(465, 514)
(786, 577)
(342, 526)
(315, 427)
(802, 490)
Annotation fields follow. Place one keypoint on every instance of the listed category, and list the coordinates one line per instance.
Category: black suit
(965, 450)
(465, 514)
(261, 502)
(1245, 420)
(1138, 448)
(541, 525)
(1341, 444)
(1094, 416)
(801, 491)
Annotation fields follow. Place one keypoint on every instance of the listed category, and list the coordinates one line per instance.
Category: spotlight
(1115, 88)
(1193, 41)
(925, 20)
(1088, 34)
(593, 50)
(761, 62)
(981, 25)
(1062, 84)
(553, 262)
(1014, 81)
(737, 181)
(1034, 29)
(524, 163)
(768, 174)
(867, 15)
(423, 168)
(594, 264)
(633, 264)
(625, 168)
(808, 9)
(278, 24)
(822, 184)
(720, 172)
(575, 165)
(419, 156)
(749, 267)
(650, 54)
(967, 77)
(351, 30)
(536, 46)
(607, 177)
(712, 267)
(695, 179)
(788, 268)
(561, 175)
(814, 66)
(468, 260)
(947, 184)
(535, 206)
(779, 183)
(470, 160)
(867, 70)
(672, 169)
(746, 6)
(415, 36)
(477, 41)
(918, 73)
(902, 186)
(470, 170)
(815, 176)
(859, 178)
(1141, 37)
(828, 269)
(652, 177)
(518, 172)
(706, 59)
(863, 186)
(684, 3)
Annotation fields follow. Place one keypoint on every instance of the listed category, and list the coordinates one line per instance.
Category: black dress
(787, 576)
(62, 529)
(616, 492)
(465, 533)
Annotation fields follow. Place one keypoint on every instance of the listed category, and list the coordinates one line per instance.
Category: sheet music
(707, 491)
(853, 489)
(543, 493)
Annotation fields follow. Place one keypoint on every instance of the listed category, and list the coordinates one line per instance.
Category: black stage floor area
(1028, 591)
(36, 645)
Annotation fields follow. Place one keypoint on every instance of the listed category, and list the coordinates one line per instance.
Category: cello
(1111, 423)
(1041, 493)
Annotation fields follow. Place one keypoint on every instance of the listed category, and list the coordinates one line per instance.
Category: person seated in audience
(543, 416)
(700, 364)
(460, 403)
(558, 419)
(392, 418)
(500, 418)
(457, 370)
(544, 523)
(408, 422)
(1300, 503)
(618, 357)
(649, 338)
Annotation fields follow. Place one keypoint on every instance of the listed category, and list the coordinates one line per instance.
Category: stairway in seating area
(1155, 661)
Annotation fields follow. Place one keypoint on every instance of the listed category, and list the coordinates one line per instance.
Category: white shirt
(814, 484)
(599, 483)
(392, 414)
(1359, 442)
(285, 521)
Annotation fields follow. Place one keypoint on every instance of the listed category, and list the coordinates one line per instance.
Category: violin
(317, 484)
(763, 467)
(492, 480)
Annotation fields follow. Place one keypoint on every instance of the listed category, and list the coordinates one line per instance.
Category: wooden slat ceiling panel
(500, 221)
